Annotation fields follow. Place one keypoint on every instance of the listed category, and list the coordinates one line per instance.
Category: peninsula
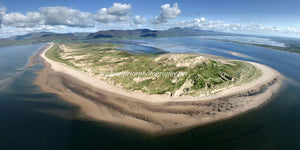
(154, 93)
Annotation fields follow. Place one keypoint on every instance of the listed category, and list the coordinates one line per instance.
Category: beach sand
(154, 114)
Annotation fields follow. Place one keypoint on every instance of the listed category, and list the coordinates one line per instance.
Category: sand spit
(154, 114)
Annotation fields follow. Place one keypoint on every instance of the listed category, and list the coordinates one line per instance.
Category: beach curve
(153, 113)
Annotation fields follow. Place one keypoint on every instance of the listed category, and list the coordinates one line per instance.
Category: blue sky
(265, 16)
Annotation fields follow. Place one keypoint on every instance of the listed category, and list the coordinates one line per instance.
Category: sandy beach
(155, 114)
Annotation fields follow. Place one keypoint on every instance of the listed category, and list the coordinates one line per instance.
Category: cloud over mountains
(75, 18)
(139, 19)
(117, 13)
(66, 16)
(167, 12)
(65, 19)
(20, 20)
(49, 16)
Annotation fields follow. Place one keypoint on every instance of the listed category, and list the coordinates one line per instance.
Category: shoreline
(155, 114)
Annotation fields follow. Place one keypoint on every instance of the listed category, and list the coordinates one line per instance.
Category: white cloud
(204, 24)
(118, 16)
(2, 13)
(119, 9)
(167, 12)
(103, 16)
(139, 19)
(66, 16)
(50, 16)
(20, 20)
(117, 13)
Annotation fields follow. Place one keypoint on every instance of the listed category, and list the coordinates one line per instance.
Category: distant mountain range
(291, 44)
(39, 37)
(146, 33)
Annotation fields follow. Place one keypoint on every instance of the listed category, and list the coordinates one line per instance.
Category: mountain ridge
(41, 37)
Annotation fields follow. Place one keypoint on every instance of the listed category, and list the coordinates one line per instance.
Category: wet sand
(154, 114)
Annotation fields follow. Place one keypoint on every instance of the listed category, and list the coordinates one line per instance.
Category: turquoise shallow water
(32, 119)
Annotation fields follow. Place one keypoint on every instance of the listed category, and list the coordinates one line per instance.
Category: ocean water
(247, 39)
(32, 119)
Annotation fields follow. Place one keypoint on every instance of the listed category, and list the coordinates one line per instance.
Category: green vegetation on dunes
(179, 74)
(54, 55)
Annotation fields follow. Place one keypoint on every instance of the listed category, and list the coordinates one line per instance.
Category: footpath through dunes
(155, 114)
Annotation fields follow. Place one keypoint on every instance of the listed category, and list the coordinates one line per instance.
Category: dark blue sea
(34, 120)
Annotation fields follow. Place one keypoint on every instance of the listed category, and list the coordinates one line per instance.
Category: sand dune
(101, 101)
